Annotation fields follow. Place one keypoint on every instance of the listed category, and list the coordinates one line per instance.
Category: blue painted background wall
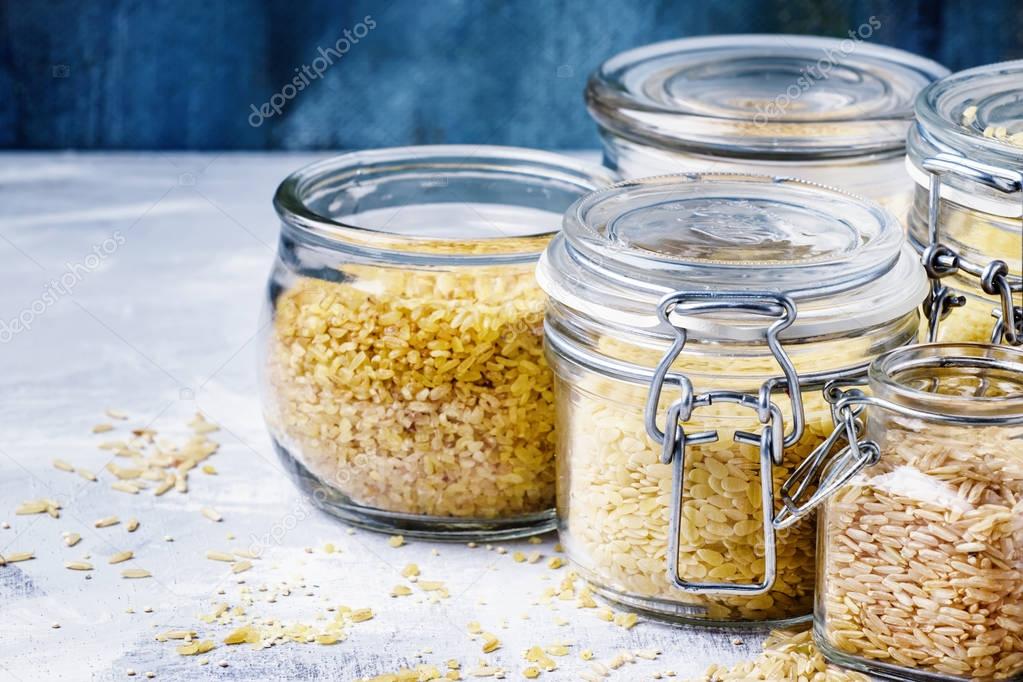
(184, 74)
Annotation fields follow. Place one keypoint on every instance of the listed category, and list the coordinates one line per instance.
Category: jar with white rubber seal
(966, 156)
(692, 321)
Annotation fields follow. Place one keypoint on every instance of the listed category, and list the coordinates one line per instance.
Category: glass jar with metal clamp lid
(692, 321)
(828, 110)
(921, 556)
(966, 155)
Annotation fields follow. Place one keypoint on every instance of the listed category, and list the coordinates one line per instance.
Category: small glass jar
(728, 288)
(921, 549)
(966, 156)
(404, 383)
(827, 110)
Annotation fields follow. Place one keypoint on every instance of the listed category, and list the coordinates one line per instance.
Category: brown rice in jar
(738, 260)
(921, 573)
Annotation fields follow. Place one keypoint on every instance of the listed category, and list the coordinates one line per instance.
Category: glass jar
(826, 110)
(966, 156)
(921, 550)
(723, 286)
(404, 383)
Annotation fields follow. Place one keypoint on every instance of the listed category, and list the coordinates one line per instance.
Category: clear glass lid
(977, 115)
(842, 259)
(981, 107)
(762, 95)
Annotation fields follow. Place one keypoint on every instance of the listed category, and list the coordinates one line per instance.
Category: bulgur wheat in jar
(740, 256)
(404, 379)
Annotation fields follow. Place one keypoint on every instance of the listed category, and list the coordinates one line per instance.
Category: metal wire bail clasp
(941, 261)
(1009, 326)
(826, 470)
(771, 441)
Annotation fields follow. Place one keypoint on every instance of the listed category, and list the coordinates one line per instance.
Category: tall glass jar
(732, 290)
(921, 551)
(828, 110)
(404, 383)
(966, 155)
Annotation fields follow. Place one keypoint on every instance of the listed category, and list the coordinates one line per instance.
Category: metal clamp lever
(769, 445)
(772, 440)
(995, 282)
(941, 260)
(825, 471)
(1000, 331)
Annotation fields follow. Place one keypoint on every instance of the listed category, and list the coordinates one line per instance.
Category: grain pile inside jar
(974, 321)
(617, 505)
(924, 559)
(420, 391)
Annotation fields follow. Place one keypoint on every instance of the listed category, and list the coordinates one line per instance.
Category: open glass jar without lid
(404, 383)
(921, 557)
(966, 155)
(823, 109)
(681, 309)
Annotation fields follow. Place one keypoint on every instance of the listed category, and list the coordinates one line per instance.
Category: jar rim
(609, 261)
(762, 96)
(940, 106)
(959, 121)
(887, 372)
(516, 169)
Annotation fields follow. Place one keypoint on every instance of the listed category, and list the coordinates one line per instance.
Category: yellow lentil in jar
(418, 391)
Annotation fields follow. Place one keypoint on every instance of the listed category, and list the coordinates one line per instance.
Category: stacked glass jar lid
(921, 564)
(822, 109)
(403, 374)
(966, 155)
(692, 321)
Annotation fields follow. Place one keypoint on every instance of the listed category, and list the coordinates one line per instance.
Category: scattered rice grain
(14, 557)
(135, 573)
(212, 514)
(121, 556)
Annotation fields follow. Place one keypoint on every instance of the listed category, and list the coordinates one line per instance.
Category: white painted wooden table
(163, 325)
